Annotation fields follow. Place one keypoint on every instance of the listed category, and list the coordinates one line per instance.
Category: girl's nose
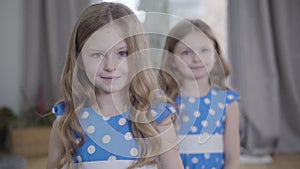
(196, 58)
(109, 68)
(109, 63)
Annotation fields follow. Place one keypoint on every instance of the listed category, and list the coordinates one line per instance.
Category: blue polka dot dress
(109, 142)
(201, 128)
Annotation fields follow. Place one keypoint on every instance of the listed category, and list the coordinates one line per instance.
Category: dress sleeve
(162, 111)
(232, 96)
(58, 109)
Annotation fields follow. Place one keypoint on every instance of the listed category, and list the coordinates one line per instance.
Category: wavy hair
(220, 70)
(78, 91)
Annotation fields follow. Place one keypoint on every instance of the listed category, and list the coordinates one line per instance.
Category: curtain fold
(263, 38)
(48, 25)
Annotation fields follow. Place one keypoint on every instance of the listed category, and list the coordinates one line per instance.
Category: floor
(280, 161)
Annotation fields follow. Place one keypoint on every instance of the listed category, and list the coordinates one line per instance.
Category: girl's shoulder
(229, 95)
(159, 111)
(232, 96)
(162, 111)
(59, 108)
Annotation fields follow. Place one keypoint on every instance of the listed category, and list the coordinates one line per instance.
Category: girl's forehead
(104, 38)
(194, 38)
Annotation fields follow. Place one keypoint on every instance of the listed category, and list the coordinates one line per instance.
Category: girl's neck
(196, 89)
(110, 104)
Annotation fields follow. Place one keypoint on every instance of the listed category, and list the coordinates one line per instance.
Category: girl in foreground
(111, 115)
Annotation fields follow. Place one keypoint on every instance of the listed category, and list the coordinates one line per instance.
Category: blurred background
(260, 39)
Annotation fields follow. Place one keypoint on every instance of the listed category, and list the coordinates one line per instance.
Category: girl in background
(209, 117)
(111, 114)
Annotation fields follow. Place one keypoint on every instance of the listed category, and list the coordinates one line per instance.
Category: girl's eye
(97, 55)
(123, 53)
(186, 52)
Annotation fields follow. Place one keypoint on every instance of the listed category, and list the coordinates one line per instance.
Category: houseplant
(7, 117)
(29, 134)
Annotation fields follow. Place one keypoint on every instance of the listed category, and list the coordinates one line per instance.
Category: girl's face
(104, 57)
(195, 52)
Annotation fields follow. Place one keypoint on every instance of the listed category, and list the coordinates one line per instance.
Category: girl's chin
(110, 88)
(200, 76)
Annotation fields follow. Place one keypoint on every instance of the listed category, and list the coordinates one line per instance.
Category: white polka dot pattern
(112, 158)
(195, 160)
(122, 121)
(133, 152)
(192, 100)
(91, 149)
(79, 159)
(206, 101)
(230, 97)
(105, 135)
(204, 123)
(185, 118)
(77, 140)
(224, 118)
(128, 136)
(206, 155)
(221, 105)
(198, 120)
(53, 110)
(153, 113)
(218, 124)
(106, 139)
(85, 115)
(173, 110)
(197, 113)
(91, 129)
(194, 129)
(105, 118)
(212, 112)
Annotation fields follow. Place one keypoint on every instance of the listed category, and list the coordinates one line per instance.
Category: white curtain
(48, 25)
(264, 52)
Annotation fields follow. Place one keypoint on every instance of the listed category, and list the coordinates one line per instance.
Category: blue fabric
(110, 137)
(59, 108)
(199, 115)
(163, 111)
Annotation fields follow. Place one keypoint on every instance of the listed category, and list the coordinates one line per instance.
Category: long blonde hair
(78, 91)
(181, 29)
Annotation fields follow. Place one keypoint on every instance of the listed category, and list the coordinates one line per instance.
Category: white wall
(11, 50)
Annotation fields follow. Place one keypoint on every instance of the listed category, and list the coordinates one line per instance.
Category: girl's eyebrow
(122, 47)
(99, 50)
(92, 49)
(185, 48)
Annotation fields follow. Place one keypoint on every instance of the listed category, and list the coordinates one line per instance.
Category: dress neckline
(198, 97)
(109, 117)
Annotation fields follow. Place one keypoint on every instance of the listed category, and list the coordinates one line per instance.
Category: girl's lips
(109, 78)
(197, 67)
